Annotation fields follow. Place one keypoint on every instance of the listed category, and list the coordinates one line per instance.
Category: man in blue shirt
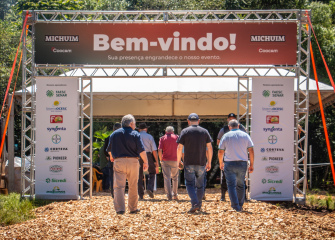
(125, 146)
(235, 146)
(195, 139)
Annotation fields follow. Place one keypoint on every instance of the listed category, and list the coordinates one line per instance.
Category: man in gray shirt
(151, 150)
(235, 145)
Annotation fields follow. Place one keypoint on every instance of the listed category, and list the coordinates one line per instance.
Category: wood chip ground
(161, 219)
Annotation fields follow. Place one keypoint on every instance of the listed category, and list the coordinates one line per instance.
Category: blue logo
(46, 149)
(272, 139)
(262, 149)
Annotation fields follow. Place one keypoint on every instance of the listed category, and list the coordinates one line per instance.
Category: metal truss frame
(86, 137)
(300, 70)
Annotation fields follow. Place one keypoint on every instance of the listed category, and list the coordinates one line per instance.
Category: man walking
(235, 146)
(167, 152)
(125, 146)
(222, 132)
(195, 139)
(151, 151)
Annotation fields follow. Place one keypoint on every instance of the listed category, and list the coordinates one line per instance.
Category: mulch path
(161, 219)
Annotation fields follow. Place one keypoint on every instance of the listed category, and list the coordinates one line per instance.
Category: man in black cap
(195, 139)
(151, 150)
(222, 132)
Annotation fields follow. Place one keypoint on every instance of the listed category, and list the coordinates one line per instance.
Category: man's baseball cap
(232, 115)
(142, 126)
(193, 117)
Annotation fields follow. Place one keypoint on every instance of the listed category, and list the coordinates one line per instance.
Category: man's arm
(179, 153)
(251, 155)
(220, 156)
(111, 157)
(209, 155)
(160, 154)
(218, 142)
(145, 160)
(156, 159)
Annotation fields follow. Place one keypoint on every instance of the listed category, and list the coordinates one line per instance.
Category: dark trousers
(111, 178)
(140, 179)
(151, 177)
(151, 182)
(105, 178)
(224, 188)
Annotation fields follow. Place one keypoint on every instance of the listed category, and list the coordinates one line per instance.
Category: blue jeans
(151, 182)
(194, 181)
(235, 175)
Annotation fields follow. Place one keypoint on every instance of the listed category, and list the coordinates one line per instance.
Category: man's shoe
(169, 198)
(135, 211)
(194, 209)
(175, 198)
(140, 197)
(204, 197)
(151, 194)
(120, 212)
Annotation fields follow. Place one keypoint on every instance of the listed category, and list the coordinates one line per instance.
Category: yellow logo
(272, 103)
(56, 103)
(56, 188)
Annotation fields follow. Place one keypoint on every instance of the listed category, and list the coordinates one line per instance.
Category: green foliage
(327, 202)
(99, 136)
(14, 210)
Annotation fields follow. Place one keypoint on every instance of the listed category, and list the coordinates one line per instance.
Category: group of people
(131, 153)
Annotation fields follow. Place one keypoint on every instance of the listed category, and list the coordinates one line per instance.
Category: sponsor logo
(50, 93)
(56, 103)
(271, 181)
(56, 139)
(54, 180)
(61, 93)
(56, 108)
(56, 118)
(271, 169)
(61, 38)
(272, 103)
(264, 158)
(272, 109)
(59, 158)
(48, 158)
(56, 168)
(276, 159)
(272, 119)
(272, 139)
(55, 129)
(53, 149)
(56, 190)
(266, 93)
(273, 93)
(272, 191)
(273, 150)
(262, 149)
(267, 38)
(59, 50)
(273, 129)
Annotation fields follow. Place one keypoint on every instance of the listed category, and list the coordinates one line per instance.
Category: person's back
(168, 144)
(194, 138)
(236, 144)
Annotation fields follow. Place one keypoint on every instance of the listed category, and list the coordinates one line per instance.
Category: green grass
(13, 209)
(326, 202)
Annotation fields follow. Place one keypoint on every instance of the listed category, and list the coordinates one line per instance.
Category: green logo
(263, 180)
(48, 158)
(50, 93)
(47, 180)
(266, 93)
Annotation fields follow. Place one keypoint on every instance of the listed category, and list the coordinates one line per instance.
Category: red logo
(272, 119)
(56, 118)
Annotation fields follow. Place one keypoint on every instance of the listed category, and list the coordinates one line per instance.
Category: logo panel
(56, 118)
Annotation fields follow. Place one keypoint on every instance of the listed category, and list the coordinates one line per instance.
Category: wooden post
(10, 134)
